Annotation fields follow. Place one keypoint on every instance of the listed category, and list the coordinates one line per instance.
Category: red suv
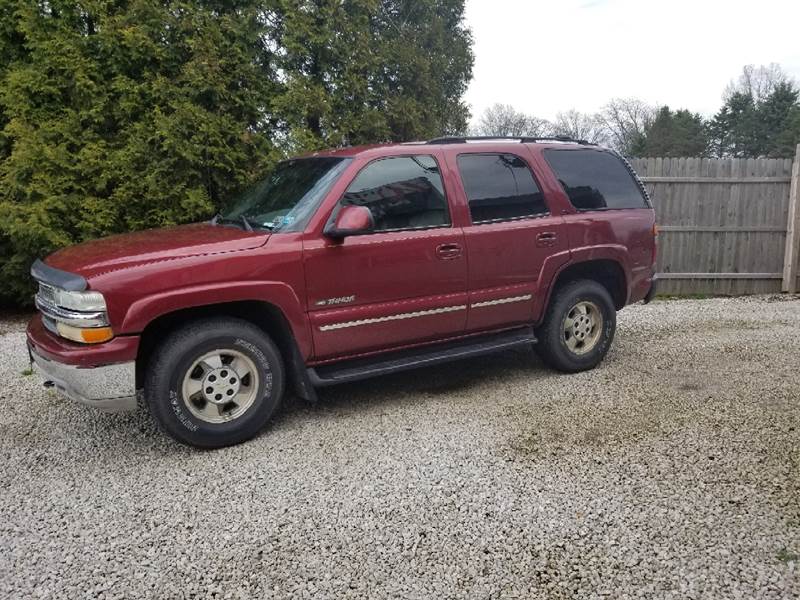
(345, 264)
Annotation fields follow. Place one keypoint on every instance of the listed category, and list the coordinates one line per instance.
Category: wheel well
(266, 316)
(607, 273)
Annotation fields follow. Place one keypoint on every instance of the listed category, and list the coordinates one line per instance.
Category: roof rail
(461, 139)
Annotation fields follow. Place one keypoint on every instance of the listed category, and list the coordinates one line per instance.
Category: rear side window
(499, 187)
(402, 192)
(595, 180)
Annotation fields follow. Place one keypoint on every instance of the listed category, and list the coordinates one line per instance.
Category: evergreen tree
(780, 121)
(735, 127)
(762, 123)
(126, 115)
(787, 140)
(117, 115)
(673, 134)
(425, 68)
(370, 70)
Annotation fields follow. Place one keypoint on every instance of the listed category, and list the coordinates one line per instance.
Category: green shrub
(121, 115)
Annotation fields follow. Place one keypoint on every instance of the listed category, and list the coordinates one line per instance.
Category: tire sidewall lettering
(259, 355)
(181, 347)
(176, 404)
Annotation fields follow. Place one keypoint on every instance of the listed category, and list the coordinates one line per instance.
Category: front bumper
(111, 388)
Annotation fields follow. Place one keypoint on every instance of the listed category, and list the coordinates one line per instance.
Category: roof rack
(521, 139)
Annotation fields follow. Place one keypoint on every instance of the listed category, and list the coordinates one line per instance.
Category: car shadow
(426, 384)
(422, 383)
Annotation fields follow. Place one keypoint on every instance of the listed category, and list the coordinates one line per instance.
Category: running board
(394, 362)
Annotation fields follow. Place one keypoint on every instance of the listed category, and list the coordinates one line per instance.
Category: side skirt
(394, 362)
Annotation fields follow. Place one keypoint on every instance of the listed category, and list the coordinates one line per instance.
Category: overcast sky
(543, 57)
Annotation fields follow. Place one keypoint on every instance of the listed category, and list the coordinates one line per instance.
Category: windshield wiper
(218, 219)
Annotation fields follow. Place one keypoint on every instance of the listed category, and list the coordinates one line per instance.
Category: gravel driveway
(671, 471)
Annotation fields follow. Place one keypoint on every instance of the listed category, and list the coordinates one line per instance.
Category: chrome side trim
(501, 301)
(395, 317)
(424, 313)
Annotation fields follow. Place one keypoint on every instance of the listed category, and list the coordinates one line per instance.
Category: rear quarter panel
(622, 235)
(625, 236)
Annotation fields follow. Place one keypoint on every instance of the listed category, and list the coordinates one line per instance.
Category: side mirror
(350, 220)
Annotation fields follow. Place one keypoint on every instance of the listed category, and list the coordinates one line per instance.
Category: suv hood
(153, 245)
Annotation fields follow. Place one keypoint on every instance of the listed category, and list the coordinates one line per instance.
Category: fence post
(792, 256)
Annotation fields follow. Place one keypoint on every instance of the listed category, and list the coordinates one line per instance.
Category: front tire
(215, 382)
(578, 327)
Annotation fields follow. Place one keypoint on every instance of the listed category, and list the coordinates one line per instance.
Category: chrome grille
(47, 293)
(45, 301)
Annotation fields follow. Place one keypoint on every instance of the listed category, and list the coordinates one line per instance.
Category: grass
(785, 555)
(27, 372)
(684, 296)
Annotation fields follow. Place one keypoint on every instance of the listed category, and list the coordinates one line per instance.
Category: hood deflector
(57, 277)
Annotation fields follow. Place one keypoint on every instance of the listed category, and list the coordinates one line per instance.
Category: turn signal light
(93, 335)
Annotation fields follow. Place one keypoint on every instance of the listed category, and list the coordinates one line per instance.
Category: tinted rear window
(499, 187)
(595, 180)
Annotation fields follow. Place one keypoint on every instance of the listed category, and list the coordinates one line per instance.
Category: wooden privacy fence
(727, 226)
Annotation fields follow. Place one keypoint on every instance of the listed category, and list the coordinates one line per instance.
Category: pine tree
(754, 124)
(117, 115)
(674, 134)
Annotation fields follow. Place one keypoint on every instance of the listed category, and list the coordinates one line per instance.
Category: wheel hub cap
(220, 385)
(583, 326)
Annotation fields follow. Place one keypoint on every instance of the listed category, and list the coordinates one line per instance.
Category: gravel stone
(671, 471)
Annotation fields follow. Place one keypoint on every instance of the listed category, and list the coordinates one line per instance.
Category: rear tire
(215, 382)
(578, 327)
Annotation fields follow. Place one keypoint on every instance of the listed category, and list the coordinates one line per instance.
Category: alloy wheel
(582, 327)
(220, 386)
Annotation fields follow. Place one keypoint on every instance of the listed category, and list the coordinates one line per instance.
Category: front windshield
(287, 198)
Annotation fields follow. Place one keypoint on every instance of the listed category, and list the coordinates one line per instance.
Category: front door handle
(448, 251)
(546, 239)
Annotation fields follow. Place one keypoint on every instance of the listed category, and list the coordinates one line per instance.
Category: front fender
(282, 296)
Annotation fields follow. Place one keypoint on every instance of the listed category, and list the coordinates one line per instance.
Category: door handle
(448, 251)
(546, 239)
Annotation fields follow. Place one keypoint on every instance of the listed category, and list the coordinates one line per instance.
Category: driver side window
(401, 192)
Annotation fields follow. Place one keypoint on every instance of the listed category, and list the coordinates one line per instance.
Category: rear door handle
(546, 239)
(448, 251)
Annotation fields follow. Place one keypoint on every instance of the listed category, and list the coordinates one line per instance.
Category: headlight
(77, 316)
(82, 301)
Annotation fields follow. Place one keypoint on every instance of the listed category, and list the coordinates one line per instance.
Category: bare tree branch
(504, 120)
(625, 121)
(757, 82)
(580, 126)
